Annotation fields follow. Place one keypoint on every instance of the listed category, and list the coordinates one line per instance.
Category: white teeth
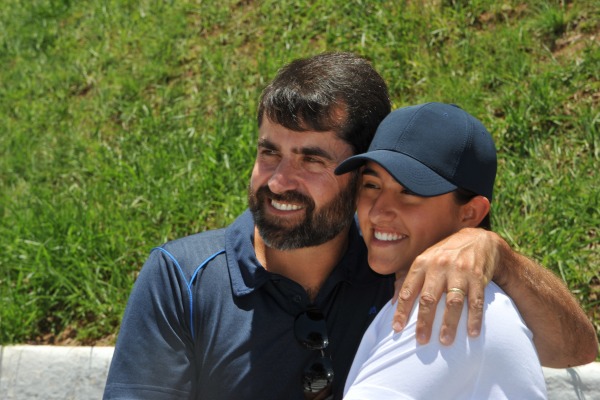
(387, 237)
(285, 206)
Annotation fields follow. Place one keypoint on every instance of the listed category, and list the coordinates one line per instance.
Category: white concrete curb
(53, 372)
(574, 383)
(79, 373)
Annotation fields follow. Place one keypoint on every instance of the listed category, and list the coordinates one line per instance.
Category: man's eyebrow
(266, 143)
(315, 151)
(307, 151)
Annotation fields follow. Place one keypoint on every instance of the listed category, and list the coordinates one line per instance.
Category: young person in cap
(236, 313)
(428, 173)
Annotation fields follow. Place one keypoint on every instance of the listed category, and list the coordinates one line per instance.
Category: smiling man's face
(294, 196)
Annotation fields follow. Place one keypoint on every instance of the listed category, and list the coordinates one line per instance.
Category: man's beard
(317, 227)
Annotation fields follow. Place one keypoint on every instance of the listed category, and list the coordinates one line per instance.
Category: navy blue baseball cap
(432, 149)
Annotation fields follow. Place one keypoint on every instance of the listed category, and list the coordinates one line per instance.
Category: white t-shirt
(501, 363)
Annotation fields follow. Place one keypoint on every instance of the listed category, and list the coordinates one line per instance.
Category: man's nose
(284, 178)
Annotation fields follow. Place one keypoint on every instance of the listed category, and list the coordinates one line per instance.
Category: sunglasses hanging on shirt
(311, 331)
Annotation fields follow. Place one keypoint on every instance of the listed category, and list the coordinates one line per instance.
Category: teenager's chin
(382, 267)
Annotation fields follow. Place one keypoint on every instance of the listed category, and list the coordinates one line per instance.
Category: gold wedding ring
(457, 290)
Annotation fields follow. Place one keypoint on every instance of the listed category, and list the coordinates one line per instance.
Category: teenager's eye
(408, 192)
(370, 185)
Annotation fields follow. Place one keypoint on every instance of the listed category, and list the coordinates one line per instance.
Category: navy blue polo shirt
(206, 321)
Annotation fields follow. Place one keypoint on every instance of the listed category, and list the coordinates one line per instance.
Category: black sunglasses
(311, 331)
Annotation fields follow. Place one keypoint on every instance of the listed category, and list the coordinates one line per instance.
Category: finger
(455, 300)
(433, 288)
(406, 299)
(476, 302)
(427, 306)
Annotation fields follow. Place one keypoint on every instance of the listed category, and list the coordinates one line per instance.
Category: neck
(307, 266)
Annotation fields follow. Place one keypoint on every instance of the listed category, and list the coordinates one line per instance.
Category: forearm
(562, 333)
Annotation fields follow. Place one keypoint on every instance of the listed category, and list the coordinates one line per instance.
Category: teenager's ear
(474, 211)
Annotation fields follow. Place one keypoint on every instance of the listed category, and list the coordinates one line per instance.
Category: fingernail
(397, 326)
(445, 339)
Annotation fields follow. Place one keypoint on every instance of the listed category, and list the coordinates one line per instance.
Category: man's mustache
(291, 196)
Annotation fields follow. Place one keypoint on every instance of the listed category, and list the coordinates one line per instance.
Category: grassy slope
(127, 123)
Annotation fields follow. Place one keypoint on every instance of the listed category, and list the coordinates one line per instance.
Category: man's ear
(474, 211)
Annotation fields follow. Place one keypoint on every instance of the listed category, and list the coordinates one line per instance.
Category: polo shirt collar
(247, 274)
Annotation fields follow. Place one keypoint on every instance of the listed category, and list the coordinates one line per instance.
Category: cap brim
(409, 172)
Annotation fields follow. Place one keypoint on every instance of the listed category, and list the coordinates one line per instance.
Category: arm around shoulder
(563, 335)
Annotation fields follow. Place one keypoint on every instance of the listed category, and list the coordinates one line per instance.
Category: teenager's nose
(382, 209)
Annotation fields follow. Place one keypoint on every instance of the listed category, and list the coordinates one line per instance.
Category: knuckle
(462, 265)
(455, 302)
(445, 258)
(400, 315)
(404, 298)
(418, 262)
(476, 304)
(427, 300)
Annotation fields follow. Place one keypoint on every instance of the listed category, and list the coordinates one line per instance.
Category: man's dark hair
(339, 92)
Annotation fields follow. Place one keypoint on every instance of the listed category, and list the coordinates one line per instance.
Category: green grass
(124, 124)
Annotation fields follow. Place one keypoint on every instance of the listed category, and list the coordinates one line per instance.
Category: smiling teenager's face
(398, 225)
(294, 196)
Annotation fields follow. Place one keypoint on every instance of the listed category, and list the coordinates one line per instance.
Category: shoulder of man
(192, 251)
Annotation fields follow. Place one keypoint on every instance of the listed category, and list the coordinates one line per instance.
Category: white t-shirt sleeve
(501, 363)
